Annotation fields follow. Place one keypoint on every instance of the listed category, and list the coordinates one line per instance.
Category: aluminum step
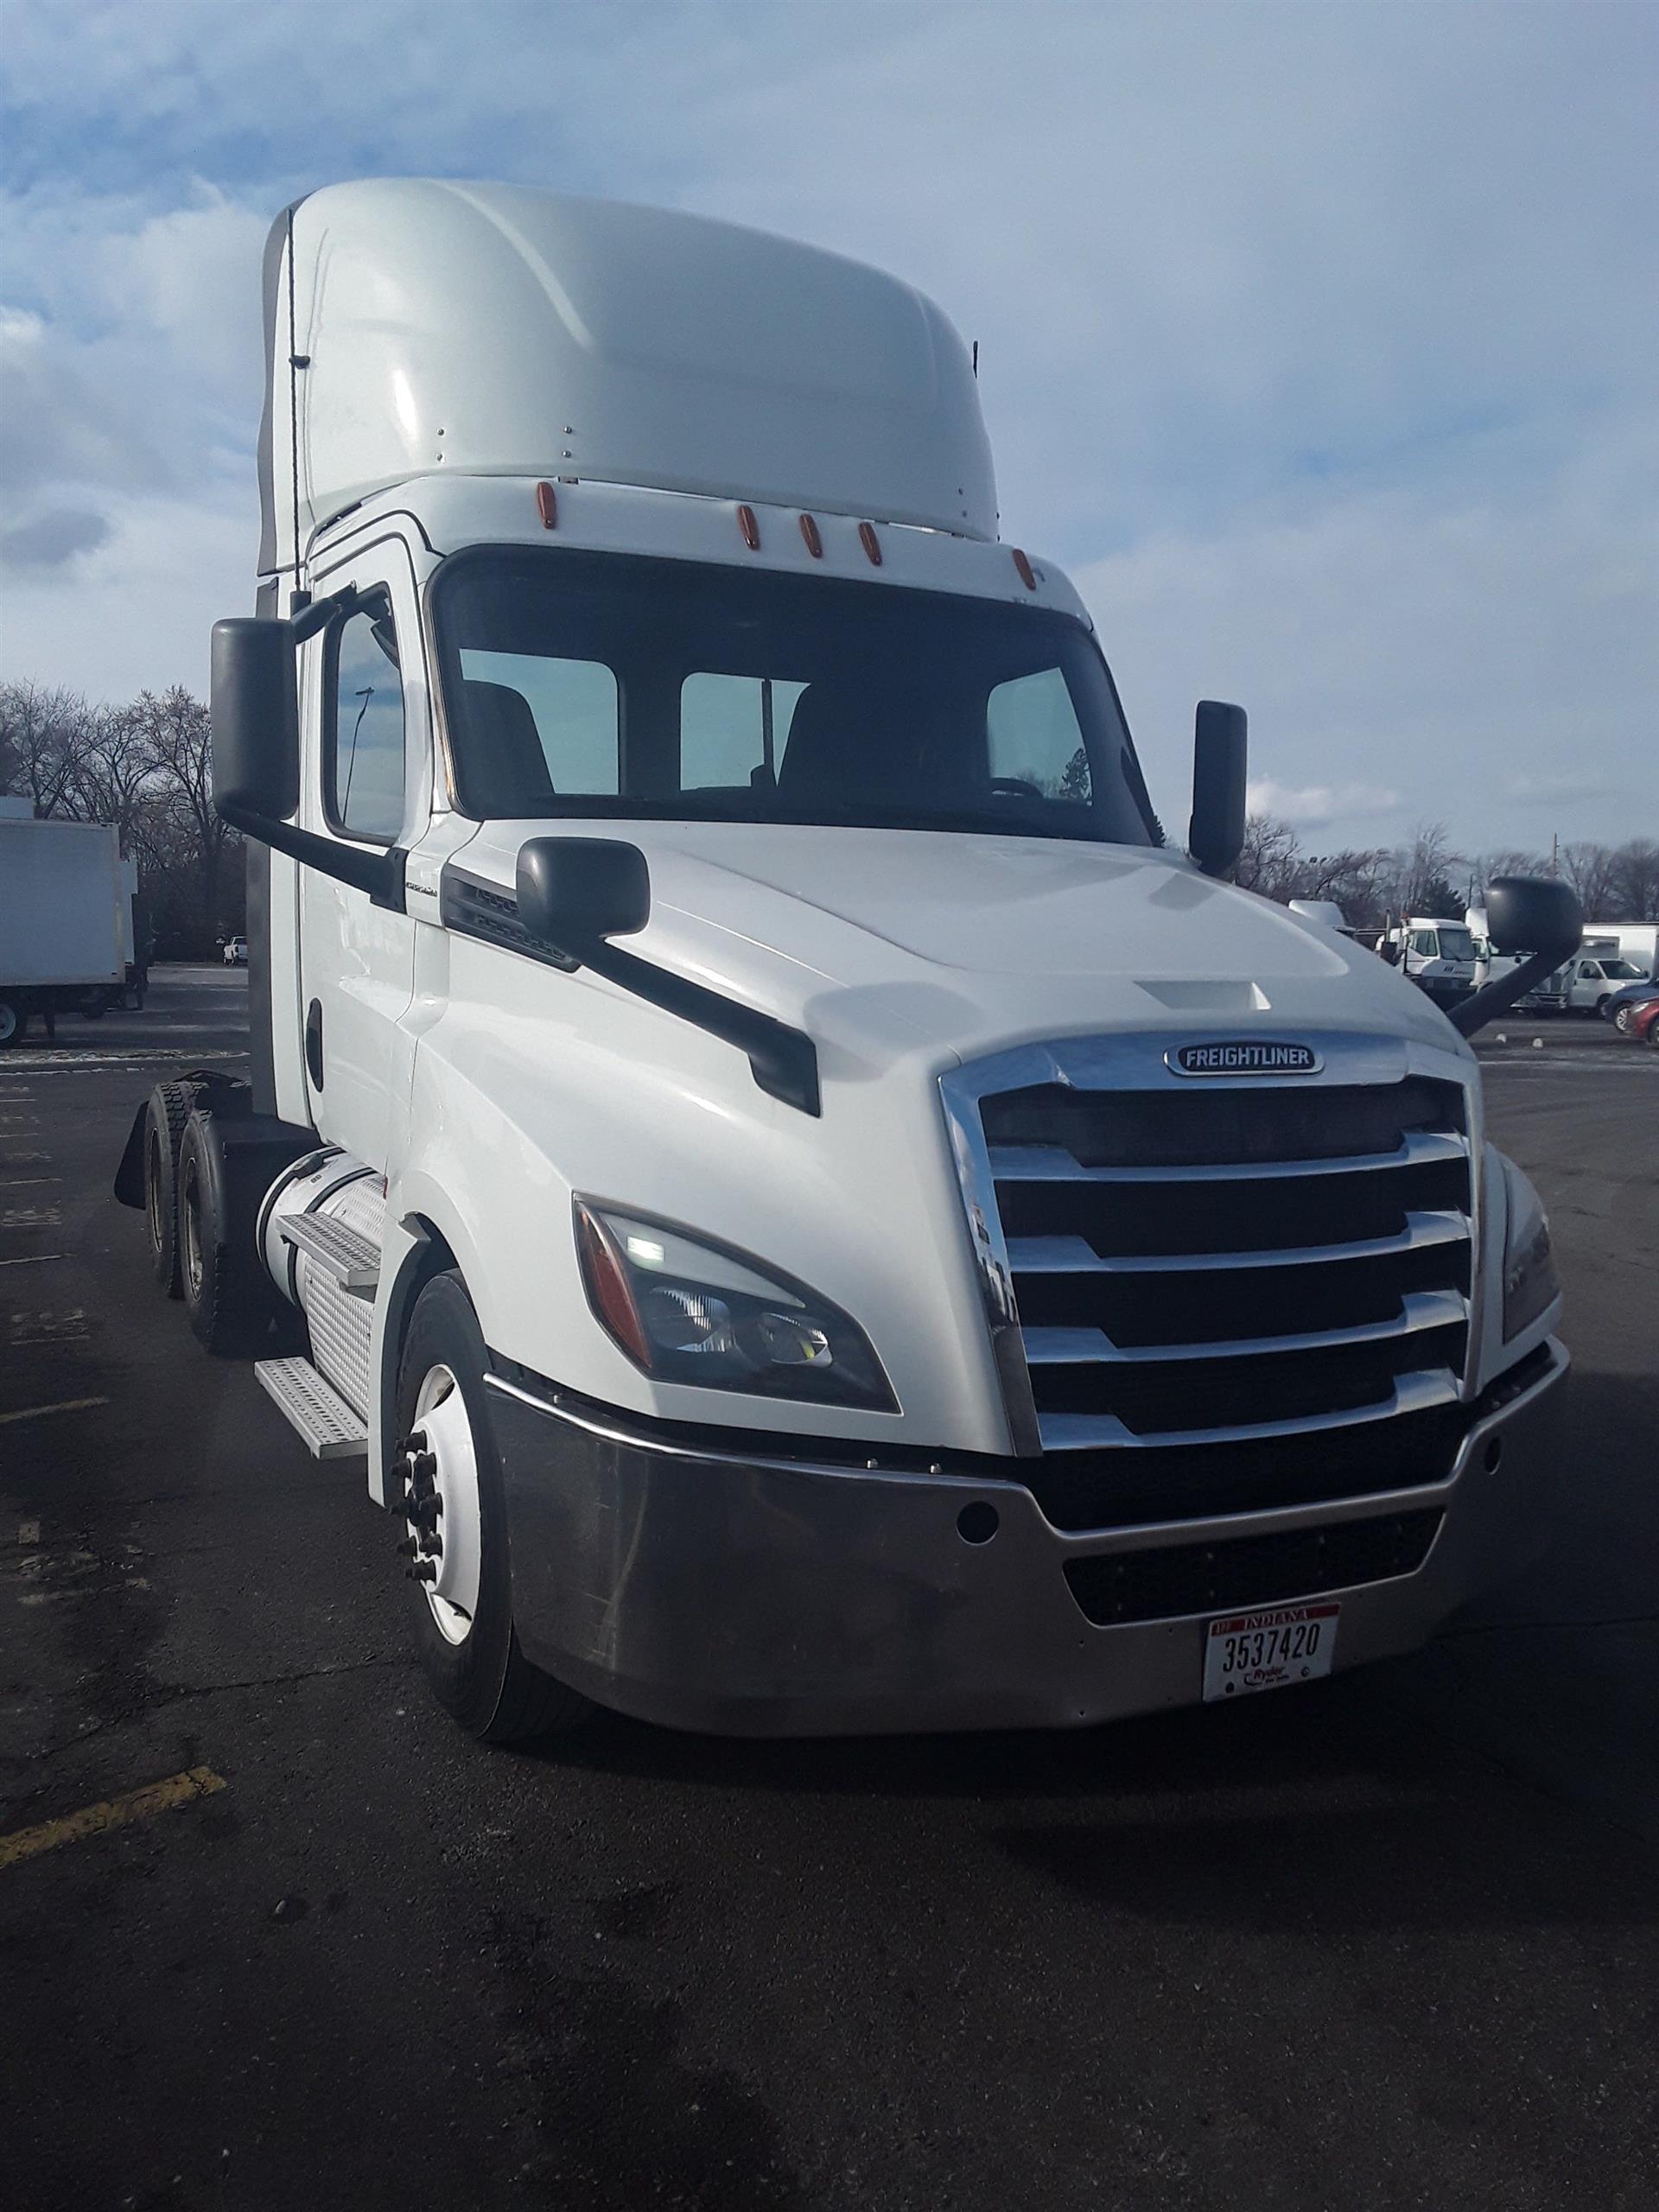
(314, 1409)
(346, 1255)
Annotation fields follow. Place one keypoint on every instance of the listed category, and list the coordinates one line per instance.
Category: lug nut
(423, 1571)
(407, 1548)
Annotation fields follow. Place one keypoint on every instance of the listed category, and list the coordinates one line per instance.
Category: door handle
(314, 1042)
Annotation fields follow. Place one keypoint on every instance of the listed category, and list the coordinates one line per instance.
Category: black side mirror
(1524, 914)
(256, 736)
(579, 891)
(1531, 914)
(1220, 748)
(255, 721)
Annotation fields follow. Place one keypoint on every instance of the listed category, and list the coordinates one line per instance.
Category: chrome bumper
(773, 1597)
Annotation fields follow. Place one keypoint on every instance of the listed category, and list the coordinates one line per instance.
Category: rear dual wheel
(228, 1297)
(170, 1107)
(455, 1506)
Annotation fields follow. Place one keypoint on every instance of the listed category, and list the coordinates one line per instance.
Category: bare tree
(1268, 857)
(44, 731)
(180, 822)
(1512, 862)
(1423, 872)
(1633, 891)
(119, 776)
(1592, 872)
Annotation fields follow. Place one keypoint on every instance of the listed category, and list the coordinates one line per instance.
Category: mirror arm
(784, 1061)
(381, 874)
(1492, 998)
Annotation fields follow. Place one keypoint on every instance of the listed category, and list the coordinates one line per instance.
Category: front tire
(455, 1503)
(13, 1023)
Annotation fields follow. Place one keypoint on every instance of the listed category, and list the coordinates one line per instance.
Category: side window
(732, 725)
(1031, 726)
(363, 739)
(566, 708)
(1589, 971)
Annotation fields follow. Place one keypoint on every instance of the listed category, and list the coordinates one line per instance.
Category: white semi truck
(811, 1214)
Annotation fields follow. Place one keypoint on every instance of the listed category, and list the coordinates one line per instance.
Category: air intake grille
(1262, 1289)
(1177, 1579)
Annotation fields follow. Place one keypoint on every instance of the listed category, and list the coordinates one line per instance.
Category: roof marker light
(1027, 576)
(750, 528)
(871, 543)
(814, 538)
(547, 506)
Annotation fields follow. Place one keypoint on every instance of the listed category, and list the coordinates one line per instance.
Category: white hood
(972, 942)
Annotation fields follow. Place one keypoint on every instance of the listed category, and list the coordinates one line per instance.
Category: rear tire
(169, 1109)
(227, 1294)
(464, 1634)
(13, 1023)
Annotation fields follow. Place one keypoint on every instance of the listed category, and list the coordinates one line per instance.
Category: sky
(1318, 343)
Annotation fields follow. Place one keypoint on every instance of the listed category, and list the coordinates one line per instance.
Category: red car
(1643, 1022)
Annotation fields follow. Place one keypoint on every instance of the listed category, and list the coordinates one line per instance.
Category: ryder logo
(1243, 1055)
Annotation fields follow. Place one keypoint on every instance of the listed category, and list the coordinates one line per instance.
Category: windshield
(1456, 944)
(1626, 970)
(599, 685)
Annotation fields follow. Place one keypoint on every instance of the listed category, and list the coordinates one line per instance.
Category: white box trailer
(1637, 942)
(65, 918)
(809, 1213)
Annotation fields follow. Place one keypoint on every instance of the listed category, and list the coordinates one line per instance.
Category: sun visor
(487, 329)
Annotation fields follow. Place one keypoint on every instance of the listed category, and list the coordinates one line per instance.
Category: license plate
(1269, 1650)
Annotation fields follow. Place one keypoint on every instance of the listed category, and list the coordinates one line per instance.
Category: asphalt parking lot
(1391, 1941)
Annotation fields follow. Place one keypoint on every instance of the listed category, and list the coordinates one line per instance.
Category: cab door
(366, 786)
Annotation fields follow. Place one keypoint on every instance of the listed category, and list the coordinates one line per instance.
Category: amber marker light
(608, 1288)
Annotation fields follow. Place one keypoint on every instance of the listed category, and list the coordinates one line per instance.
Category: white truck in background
(1438, 954)
(809, 1213)
(65, 920)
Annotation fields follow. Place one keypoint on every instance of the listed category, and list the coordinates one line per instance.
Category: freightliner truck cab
(812, 1215)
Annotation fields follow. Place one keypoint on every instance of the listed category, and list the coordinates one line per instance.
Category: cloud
(1317, 340)
(51, 539)
(1315, 806)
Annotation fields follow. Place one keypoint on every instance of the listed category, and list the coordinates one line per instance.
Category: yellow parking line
(115, 1813)
(63, 1406)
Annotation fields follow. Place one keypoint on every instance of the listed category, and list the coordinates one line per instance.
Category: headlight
(690, 1312)
(1530, 1283)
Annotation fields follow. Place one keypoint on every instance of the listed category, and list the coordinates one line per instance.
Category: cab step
(314, 1409)
(350, 1259)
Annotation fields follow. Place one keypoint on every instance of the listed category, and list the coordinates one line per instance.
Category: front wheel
(455, 1504)
(13, 1023)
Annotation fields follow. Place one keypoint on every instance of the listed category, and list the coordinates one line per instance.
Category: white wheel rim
(8, 1024)
(441, 1418)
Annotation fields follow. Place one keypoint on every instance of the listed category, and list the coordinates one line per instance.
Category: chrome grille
(1191, 1272)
